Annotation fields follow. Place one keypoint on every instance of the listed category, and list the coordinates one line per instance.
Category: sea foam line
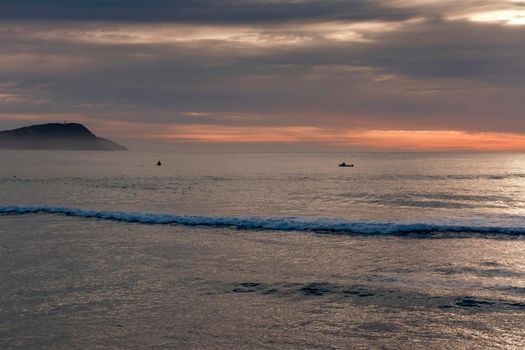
(268, 223)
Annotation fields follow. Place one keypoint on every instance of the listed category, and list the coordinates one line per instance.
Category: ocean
(262, 250)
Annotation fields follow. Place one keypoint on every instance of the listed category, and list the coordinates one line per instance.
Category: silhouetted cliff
(58, 136)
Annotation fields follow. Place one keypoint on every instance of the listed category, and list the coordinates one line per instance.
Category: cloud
(238, 65)
(256, 11)
(200, 11)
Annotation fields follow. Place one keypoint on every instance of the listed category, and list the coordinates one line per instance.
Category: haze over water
(262, 250)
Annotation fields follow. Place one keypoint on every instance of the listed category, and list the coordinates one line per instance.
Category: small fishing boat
(344, 165)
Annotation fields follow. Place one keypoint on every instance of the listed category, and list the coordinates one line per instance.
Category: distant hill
(56, 136)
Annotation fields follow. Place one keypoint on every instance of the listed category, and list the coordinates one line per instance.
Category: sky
(270, 74)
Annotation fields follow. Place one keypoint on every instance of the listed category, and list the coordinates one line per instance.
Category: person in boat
(342, 164)
(159, 163)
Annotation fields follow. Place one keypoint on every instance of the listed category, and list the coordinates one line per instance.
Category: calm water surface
(86, 282)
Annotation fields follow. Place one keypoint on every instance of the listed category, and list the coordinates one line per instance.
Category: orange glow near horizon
(359, 139)
(439, 140)
(244, 134)
(364, 139)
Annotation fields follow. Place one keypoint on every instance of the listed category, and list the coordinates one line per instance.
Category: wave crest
(271, 223)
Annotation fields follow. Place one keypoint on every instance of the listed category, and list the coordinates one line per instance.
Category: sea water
(262, 250)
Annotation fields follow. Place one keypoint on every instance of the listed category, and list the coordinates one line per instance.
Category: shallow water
(86, 282)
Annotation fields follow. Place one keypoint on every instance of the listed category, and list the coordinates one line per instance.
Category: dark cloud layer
(200, 11)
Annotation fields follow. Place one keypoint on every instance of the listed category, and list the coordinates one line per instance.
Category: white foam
(271, 223)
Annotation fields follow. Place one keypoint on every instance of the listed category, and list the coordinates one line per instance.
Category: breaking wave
(328, 225)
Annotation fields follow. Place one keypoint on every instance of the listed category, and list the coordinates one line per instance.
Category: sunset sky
(270, 74)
